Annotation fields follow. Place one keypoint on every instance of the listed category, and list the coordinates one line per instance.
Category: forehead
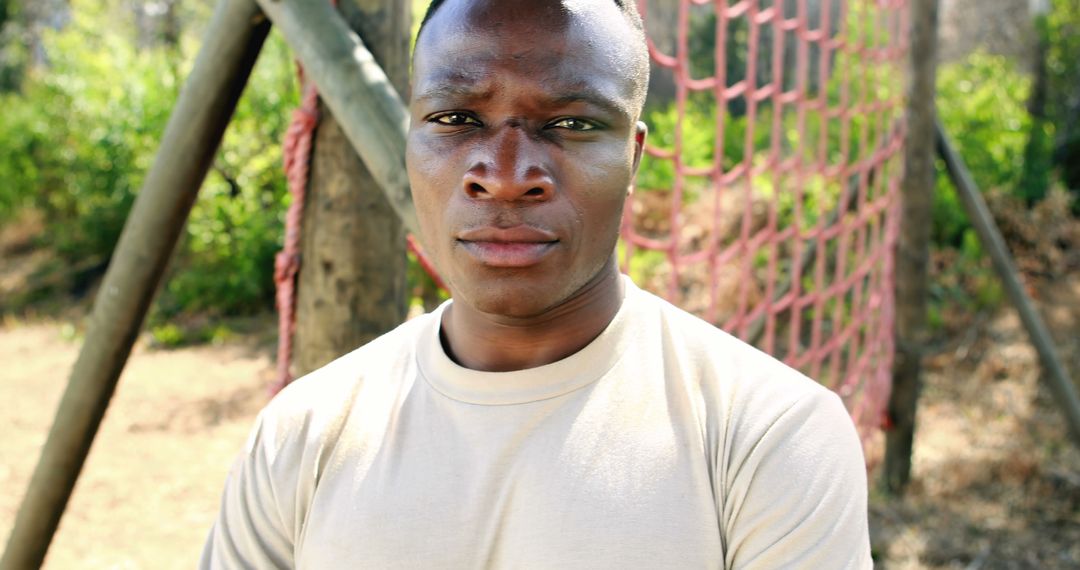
(557, 46)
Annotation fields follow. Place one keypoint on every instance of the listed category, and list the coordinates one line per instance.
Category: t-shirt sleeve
(798, 497)
(251, 530)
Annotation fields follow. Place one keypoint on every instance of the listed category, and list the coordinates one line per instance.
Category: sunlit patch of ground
(150, 487)
(996, 480)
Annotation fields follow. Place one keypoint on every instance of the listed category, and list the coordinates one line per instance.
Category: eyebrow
(459, 88)
(453, 90)
(594, 98)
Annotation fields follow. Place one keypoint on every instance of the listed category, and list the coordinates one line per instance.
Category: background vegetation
(84, 105)
(79, 132)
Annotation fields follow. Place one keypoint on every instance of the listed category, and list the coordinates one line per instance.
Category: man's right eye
(454, 119)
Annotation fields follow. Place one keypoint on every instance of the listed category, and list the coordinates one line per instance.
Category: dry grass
(150, 487)
(996, 483)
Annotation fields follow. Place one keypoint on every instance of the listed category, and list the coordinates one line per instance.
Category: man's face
(523, 143)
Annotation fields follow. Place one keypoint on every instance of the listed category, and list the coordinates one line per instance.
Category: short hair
(628, 8)
(630, 12)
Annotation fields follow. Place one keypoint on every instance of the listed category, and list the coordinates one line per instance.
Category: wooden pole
(1063, 387)
(352, 285)
(913, 247)
(205, 105)
(356, 90)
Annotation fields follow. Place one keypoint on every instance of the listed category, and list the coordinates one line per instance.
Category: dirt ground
(996, 482)
(150, 487)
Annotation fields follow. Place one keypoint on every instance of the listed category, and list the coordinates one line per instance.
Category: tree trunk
(913, 249)
(352, 284)
(1035, 178)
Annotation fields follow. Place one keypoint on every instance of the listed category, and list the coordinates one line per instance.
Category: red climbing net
(767, 202)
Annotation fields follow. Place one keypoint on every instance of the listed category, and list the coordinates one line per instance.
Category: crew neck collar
(531, 384)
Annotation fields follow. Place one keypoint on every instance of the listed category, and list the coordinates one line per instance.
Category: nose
(511, 167)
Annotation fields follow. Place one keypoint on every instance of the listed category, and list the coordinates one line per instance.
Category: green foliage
(78, 134)
(22, 133)
(173, 335)
(981, 102)
(78, 140)
(235, 229)
(697, 135)
(964, 283)
(645, 264)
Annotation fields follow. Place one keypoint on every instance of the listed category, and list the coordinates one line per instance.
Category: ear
(641, 131)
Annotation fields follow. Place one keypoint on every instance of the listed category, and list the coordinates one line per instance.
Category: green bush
(235, 229)
(79, 135)
(73, 141)
(76, 142)
(982, 105)
(698, 132)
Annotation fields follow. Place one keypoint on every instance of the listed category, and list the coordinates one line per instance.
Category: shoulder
(751, 404)
(724, 366)
(314, 404)
(786, 463)
(272, 482)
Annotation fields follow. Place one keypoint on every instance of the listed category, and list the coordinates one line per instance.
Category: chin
(508, 297)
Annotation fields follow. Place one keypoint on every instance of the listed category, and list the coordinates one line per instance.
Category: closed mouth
(518, 246)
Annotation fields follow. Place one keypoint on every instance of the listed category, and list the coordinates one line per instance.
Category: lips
(518, 246)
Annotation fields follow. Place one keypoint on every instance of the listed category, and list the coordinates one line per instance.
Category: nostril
(535, 192)
(475, 188)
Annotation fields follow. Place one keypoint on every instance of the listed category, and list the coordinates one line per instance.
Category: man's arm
(797, 498)
(250, 530)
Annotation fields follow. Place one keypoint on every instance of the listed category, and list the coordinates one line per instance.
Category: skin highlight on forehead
(596, 25)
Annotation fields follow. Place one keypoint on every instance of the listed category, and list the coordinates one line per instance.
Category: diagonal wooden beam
(355, 88)
(203, 110)
(978, 212)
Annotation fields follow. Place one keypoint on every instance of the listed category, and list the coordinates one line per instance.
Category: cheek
(607, 170)
(604, 179)
(424, 166)
(431, 171)
(428, 180)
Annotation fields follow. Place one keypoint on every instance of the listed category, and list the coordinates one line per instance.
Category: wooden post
(1063, 387)
(913, 247)
(233, 40)
(352, 283)
(355, 89)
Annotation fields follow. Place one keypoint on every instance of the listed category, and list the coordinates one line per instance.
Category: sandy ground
(996, 483)
(150, 487)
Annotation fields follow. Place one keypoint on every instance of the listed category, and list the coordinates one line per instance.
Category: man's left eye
(572, 124)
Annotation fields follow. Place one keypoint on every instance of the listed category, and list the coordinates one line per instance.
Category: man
(552, 415)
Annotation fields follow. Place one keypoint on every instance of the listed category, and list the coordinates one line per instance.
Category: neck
(494, 343)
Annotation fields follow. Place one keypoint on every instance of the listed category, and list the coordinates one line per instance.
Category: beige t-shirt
(664, 443)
